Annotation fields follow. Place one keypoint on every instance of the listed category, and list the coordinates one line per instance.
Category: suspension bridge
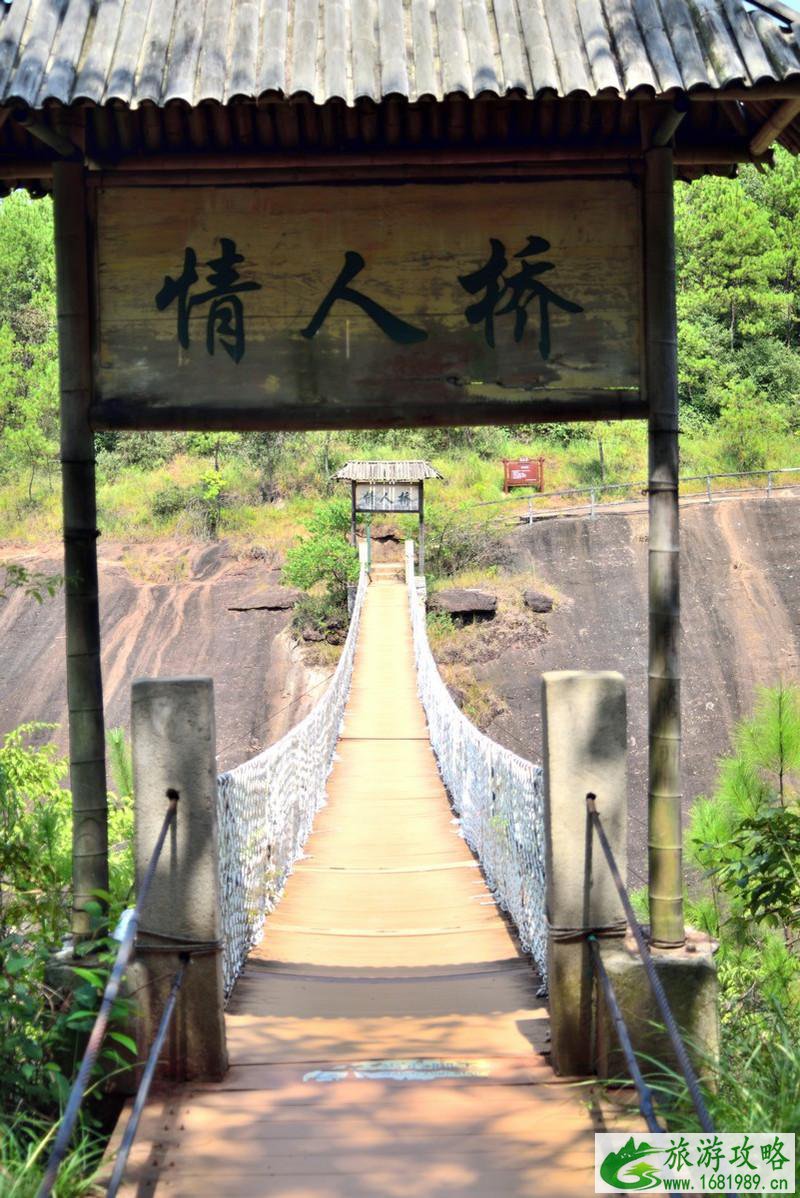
(386, 1028)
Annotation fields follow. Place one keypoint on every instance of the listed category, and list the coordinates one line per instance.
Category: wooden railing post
(174, 750)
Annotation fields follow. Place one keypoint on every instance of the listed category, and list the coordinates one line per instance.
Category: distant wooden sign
(315, 307)
(388, 497)
(523, 472)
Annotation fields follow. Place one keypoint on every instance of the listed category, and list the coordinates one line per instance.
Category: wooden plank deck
(386, 1038)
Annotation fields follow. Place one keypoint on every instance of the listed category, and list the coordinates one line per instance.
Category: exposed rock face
(740, 624)
(464, 602)
(536, 601)
(166, 609)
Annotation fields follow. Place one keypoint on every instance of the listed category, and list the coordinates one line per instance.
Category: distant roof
(387, 472)
(135, 52)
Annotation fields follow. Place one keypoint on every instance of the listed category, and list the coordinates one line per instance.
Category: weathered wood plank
(461, 328)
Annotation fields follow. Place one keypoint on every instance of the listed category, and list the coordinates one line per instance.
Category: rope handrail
(266, 807)
(497, 795)
(679, 1048)
(97, 1035)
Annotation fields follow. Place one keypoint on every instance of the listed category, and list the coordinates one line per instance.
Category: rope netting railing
(266, 807)
(498, 796)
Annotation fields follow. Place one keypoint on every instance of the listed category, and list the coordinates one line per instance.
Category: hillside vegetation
(738, 265)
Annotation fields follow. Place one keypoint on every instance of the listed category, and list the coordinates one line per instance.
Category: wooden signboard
(387, 497)
(315, 307)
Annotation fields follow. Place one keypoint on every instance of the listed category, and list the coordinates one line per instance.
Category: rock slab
(461, 601)
(537, 601)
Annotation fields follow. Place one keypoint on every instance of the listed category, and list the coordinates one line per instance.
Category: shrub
(746, 840)
(324, 557)
(38, 1028)
(463, 541)
(203, 503)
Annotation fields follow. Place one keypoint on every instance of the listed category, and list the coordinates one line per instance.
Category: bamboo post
(84, 680)
(664, 801)
(353, 514)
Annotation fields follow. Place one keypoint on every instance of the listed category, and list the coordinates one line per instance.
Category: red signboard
(523, 472)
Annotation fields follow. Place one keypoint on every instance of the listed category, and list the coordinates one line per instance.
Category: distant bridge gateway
(386, 1028)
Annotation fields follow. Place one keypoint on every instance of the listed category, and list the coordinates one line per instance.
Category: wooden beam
(84, 680)
(25, 168)
(62, 144)
(482, 157)
(774, 126)
(664, 799)
(764, 91)
(353, 514)
(336, 162)
(368, 174)
(452, 407)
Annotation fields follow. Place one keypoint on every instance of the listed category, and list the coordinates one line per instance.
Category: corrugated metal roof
(136, 52)
(387, 472)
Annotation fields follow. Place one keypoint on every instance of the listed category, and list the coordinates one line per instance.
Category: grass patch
(479, 702)
(461, 536)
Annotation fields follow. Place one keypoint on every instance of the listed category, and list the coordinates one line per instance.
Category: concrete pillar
(174, 748)
(585, 751)
(689, 977)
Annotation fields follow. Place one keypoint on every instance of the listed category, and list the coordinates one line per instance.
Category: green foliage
(28, 350)
(211, 501)
(121, 762)
(25, 1142)
(324, 556)
(464, 539)
(748, 426)
(746, 840)
(728, 258)
(440, 625)
(203, 503)
(212, 445)
(32, 583)
(34, 835)
(41, 1030)
(753, 1086)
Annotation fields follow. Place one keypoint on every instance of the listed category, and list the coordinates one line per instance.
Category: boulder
(267, 598)
(536, 601)
(462, 601)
